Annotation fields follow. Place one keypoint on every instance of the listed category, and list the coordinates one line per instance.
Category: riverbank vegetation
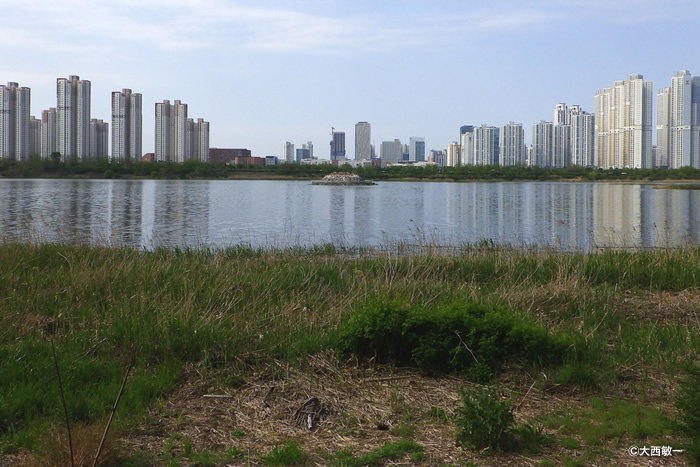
(481, 355)
(192, 169)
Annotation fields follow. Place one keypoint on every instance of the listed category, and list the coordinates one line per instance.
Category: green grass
(241, 306)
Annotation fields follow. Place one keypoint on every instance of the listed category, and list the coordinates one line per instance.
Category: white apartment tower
(466, 154)
(623, 124)
(561, 145)
(171, 135)
(201, 151)
(542, 139)
(73, 118)
(288, 152)
(582, 137)
(562, 115)
(127, 125)
(48, 132)
(363, 141)
(453, 154)
(663, 127)
(15, 103)
(512, 144)
(683, 121)
(34, 136)
(485, 145)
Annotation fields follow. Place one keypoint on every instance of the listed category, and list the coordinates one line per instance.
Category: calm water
(150, 213)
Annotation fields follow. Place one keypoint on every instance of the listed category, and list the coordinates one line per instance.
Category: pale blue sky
(266, 72)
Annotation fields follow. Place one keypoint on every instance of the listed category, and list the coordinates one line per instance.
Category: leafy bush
(483, 421)
(289, 454)
(688, 404)
(447, 337)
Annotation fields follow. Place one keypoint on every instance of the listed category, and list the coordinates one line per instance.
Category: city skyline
(289, 70)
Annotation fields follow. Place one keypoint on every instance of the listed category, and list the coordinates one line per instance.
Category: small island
(344, 179)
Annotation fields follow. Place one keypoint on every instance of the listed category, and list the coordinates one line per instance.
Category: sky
(265, 72)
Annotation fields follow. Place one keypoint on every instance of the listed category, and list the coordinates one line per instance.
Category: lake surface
(151, 213)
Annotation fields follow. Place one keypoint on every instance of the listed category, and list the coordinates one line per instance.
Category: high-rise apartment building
(466, 144)
(562, 115)
(201, 136)
(416, 149)
(34, 136)
(337, 145)
(454, 153)
(99, 138)
(127, 125)
(48, 132)
(663, 127)
(73, 117)
(15, 103)
(542, 139)
(486, 141)
(623, 124)
(288, 152)
(561, 146)
(582, 137)
(512, 144)
(171, 132)
(678, 121)
(363, 141)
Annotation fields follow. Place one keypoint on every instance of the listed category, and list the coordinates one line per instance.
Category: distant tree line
(53, 167)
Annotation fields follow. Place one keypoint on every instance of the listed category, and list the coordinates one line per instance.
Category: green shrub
(688, 404)
(447, 337)
(289, 454)
(483, 421)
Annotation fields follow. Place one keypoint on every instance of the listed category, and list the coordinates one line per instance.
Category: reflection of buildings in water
(181, 215)
(336, 227)
(571, 224)
(126, 216)
(676, 221)
(86, 208)
(617, 215)
(363, 215)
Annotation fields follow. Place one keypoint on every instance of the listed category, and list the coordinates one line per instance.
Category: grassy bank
(223, 318)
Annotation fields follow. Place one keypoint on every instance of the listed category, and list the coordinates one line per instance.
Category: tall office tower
(363, 141)
(562, 115)
(439, 157)
(542, 138)
(337, 145)
(454, 150)
(623, 122)
(663, 127)
(202, 137)
(684, 121)
(34, 137)
(15, 103)
(582, 137)
(162, 137)
(310, 146)
(48, 132)
(486, 145)
(73, 117)
(288, 152)
(99, 138)
(391, 152)
(561, 146)
(512, 144)
(416, 149)
(127, 125)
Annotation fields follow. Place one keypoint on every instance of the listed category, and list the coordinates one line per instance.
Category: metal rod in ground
(114, 409)
(63, 400)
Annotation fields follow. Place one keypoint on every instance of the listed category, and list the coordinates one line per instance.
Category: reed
(241, 307)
